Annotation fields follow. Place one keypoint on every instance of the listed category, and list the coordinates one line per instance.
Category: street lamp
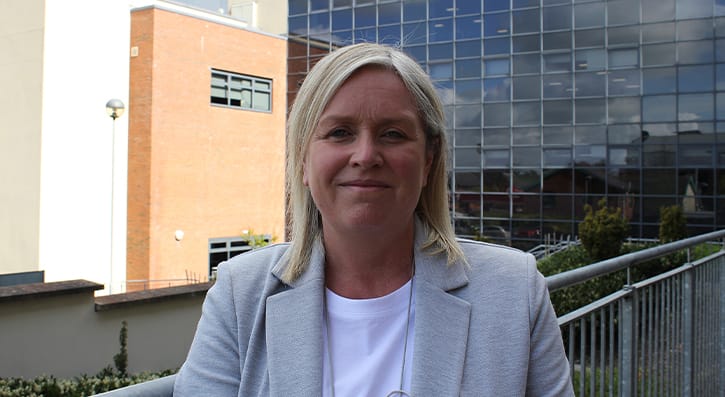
(114, 109)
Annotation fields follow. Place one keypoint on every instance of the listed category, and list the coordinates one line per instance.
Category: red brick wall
(209, 171)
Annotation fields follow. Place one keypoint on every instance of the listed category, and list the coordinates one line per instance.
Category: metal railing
(663, 336)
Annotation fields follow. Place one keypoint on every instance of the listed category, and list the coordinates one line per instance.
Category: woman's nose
(366, 153)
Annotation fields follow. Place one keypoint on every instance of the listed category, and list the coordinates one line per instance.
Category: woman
(374, 296)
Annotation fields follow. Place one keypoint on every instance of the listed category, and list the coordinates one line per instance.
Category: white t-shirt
(366, 338)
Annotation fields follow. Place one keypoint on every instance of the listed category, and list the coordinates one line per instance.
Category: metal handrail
(585, 273)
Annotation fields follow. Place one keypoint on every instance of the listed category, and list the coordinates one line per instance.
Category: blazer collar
(294, 317)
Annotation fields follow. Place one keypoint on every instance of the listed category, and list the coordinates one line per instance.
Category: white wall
(21, 64)
(86, 63)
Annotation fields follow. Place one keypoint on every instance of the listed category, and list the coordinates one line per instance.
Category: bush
(672, 224)
(84, 385)
(603, 232)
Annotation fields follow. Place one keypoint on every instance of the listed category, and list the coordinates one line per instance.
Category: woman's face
(367, 161)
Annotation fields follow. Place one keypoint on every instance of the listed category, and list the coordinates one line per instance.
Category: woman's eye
(338, 133)
(394, 134)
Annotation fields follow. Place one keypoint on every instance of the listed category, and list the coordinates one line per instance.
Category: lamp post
(114, 109)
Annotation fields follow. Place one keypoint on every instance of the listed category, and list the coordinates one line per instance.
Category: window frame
(246, 84)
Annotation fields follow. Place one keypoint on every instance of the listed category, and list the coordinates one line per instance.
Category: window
(224, 248)
(239, 91)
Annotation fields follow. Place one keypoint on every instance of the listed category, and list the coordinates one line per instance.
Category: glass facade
(553, 104)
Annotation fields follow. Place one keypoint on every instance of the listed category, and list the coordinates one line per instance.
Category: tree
(121, 359)
(603, 232)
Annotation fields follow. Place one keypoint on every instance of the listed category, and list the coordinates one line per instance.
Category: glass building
(552, 104)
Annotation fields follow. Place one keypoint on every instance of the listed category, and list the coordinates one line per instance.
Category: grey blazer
(482, 329)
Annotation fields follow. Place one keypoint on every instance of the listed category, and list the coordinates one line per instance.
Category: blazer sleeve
(212, 367)
(548, 373)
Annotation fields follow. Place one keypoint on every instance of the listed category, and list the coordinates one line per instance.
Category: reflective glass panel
(658, 10)
(658, 32)
(694, 9)
(720, 77)
(625, 134)
(625, 156)
(557, 112)
(495, 5)
(589, 38)
(527, 43)
(588, 15)
(468, 137)
(623, 35)
(468, 27)
(590, 134)
(590, 59)
(590, 84)
(526, 157)
(623, 58)
(341, 20)
(660, 108)
(658, 54)
(492, 67)
(440, 8)
(466, 68)
(557, 157)
(414, 33)
(557, 86)
(693, 107)
(695, 52)
(496, 25)
(590, 111)
(695, 78)
(659, 81)
(440, 30)
(364, 17)
(496, 137)
(318, 5)
(389, 35)
(441, 70)
(696, 29)
(467, 157)
(622, 12)
(496, 46)
(560, 62)
(468, 181)
(440, 51)
(560, 135)
(495, 181)
(468, 116)
(497, 89)
(526, 21)
(527, 113)
(526, 87)
(624, 110)
(496, 114)
(624, 82)
(526, 136)
(468, 7)
(590, 155)
(557, 18)
(388, 13)
(557, 41)
(414, 10)
(466, 49)
(527, 63)
(496, 159)
(468, 91)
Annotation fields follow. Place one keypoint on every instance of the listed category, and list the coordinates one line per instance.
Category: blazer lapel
(441, 336)
(294, 332)
(441, 323)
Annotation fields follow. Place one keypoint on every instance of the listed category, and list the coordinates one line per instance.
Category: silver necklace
(400, 391)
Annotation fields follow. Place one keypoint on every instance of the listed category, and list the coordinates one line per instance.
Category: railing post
(688, 320)
(628, 346)
(721, 290)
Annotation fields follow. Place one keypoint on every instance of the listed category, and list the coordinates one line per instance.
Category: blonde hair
(321, 83)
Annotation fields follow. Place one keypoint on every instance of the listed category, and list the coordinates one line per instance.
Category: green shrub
(84, 385)
(603, 232)
(672, 224)
(120, 360)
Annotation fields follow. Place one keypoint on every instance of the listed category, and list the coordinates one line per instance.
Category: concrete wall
(63, 335)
